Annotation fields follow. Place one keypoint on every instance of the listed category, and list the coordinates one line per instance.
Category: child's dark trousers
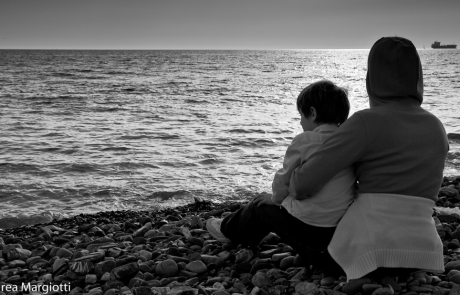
(251, 223)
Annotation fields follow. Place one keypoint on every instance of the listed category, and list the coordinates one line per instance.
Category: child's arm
(341, 150)
(292, 159)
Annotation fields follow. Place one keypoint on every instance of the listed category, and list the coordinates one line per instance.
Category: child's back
(326, 207)
(323, 107)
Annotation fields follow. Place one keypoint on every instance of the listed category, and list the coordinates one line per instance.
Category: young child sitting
(306, 224)
(323, 107)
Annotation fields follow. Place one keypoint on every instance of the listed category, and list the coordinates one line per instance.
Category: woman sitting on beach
(306, 225)
(398, 150)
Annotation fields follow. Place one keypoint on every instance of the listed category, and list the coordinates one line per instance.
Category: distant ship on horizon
(437, 45)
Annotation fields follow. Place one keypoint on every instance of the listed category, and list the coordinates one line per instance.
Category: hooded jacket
(396, 146)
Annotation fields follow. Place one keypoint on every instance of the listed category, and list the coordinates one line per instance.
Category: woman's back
(396, 146)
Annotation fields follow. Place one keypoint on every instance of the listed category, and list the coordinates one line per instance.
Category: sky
(224, 24)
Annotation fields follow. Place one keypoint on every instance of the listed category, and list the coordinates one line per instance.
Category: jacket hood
(394, 72)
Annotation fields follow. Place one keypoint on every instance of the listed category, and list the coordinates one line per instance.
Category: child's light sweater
(326, 207)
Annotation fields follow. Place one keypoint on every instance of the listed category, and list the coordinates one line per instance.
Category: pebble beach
(170, 252)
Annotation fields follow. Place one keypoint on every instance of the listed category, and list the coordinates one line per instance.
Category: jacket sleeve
(341, 150)
(292, 160)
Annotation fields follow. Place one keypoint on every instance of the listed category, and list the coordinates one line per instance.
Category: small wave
(166, 137)
(134, 136)
(93, 77)
(233, 99)
(24, 219)
(119, 73)
(51, 99)
(266, 141)
(102, 110)
(238, 130)
(177, 164)
(19, 167)
(133, 165)
(196, 101)
(51, 149)
(162, 195)
(60, 74)
(201, 116)
(53, 134)
(211, 161)
(69, 151)
(83, 167)
(116, 148)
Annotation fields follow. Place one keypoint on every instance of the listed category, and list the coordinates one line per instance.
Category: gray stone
(287, 262)
(125, 270)
(390, 281)
(196, 266)
(208, 259)
(16, 263)
(452, 265)
(280, 256)
(370, 288)
(355, 286)
(141, 231)
(448, 192)
(305, 288)
(105, 277)
(104, 266)
(160, 290)
(146, 254)
(261, 279)
(244, 255)
(167, 268)
(327, 281)
(58, 263)
(142, 290)
(18, 254)
(90, 279)
(177, 290)
(63, 253)
(383, 291)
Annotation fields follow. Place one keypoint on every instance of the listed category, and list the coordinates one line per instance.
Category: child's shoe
(213, 227)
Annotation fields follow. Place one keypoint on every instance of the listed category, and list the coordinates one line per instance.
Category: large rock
(355, 286)
(244, 255)
(63, 253)
(178, 290)
(141, 231)
(125, 271)
(305, 288)
(452, 265)
(208, 259)
(146, 254)
(104, 266)
(18, 254)
(9, 247)
(142, 290)
(167, 268)
(58, 263)
(196, 266)
(261, 279)
(448, 192)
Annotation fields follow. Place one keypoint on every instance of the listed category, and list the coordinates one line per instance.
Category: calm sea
(89, 131)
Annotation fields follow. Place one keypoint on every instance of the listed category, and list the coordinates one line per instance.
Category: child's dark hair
(329, 100)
